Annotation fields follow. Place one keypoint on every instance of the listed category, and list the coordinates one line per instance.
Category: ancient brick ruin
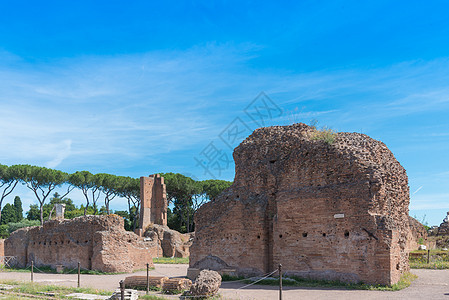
(170, 243)
(334, 211)
(101, 242)
(97, 242)
(417, 236)
(153, 207)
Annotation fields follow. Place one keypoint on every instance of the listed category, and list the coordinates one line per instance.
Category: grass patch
(60, 291)
(438, 259)
(36, 289)
(404, 282)
(436, 265)
(173, 292)
(50, 270)
(144, 288)
(151, 297)
(226, 277)
(171, 260)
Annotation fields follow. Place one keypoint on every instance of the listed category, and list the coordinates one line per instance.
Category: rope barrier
(73, 271)
(36, 268)
(248, 285)
(249, 278)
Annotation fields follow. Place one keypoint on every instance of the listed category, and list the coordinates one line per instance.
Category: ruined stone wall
(336, 211)
(170, 243)
(2, 247)
(417, 235)
(97, 242)
(153, 207)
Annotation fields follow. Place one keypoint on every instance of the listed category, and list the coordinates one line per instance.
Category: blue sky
(143, 87)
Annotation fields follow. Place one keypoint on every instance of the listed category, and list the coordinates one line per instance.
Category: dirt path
(431, 284)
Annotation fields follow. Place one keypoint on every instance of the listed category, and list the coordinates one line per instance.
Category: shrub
(324, 134)
(4, 233)
(24, 223)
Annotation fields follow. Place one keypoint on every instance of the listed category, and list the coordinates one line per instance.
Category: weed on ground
(171, 260)
(404, 282)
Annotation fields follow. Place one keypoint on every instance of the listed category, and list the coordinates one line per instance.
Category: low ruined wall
(97, 242)
(2, 247)
(328, 211)
(417, 236)
(170, 243)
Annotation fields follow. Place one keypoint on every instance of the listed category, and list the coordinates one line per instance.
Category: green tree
(8, 182)
(126, 217)
(109, 185)
(71, 211)
(87, 183)
(187, 196)
(33, 213)
(129, 188)
(4, 233)
(9, 214)
(18, 208)
(42, 181)
(70, 208)
(212, 187)
(24, 223)
(182, 191)
(57, 199)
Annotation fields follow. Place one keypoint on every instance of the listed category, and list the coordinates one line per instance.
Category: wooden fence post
(280, 282)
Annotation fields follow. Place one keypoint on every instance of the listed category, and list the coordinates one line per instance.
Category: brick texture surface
(153, 208)
(417, 235)
(329, 211)
(97, 242)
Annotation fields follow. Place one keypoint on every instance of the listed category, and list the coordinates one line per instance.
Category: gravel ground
(431, 284)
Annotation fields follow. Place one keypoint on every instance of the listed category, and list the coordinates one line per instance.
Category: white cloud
(62, 152)
(133, 107)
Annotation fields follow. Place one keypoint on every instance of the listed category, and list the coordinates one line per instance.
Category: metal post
(32, 270)
(280, 282)
(148, 278)
(428, 256)
(79, 274)
(122, 290)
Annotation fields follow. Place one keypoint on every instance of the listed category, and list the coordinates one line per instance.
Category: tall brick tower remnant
(153, 201)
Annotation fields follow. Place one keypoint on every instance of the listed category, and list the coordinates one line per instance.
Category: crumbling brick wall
(153, 207)
(417, 235)
(97, 242)
(330, 211)
(170, 243)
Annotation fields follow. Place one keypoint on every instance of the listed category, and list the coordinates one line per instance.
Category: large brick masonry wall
(336, 211)
(97, 242)
(153, 207)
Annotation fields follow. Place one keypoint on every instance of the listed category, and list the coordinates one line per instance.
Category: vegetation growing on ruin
(324, 134)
